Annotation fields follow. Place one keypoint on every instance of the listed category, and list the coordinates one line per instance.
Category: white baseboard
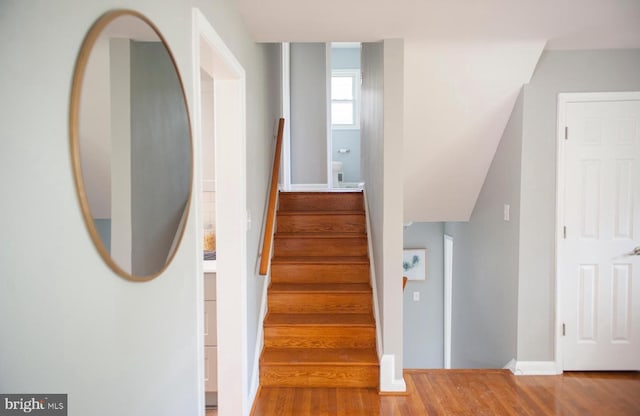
(372, 276)
(388, 382)
(255, 373)
(308, 187)
(533, 368)
(511, 365)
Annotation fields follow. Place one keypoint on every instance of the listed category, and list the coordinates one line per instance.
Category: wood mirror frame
(143, 232)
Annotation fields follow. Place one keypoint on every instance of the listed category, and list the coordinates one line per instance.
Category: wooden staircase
(319, 330)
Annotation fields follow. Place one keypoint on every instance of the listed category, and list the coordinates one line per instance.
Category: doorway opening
(344, 114)
(225, 119)
(321, 103)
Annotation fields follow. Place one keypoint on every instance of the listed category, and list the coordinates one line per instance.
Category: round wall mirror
(131, 144)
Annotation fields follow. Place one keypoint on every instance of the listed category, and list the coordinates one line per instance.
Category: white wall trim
(388, 382)
(231, 280)
(255, 374)
(563, 100)
(372, 278)
(327, 112)
(286, 114)
(308, 187)
(511, 365)
(196, 131)
(448, 297)
(533, 368)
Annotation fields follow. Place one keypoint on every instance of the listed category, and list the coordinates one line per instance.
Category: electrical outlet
(416, 296)
(507, 208)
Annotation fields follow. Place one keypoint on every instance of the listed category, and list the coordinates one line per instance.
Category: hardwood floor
(466, 392)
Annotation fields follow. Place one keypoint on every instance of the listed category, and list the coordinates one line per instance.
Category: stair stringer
(254, 383)
(372, 279)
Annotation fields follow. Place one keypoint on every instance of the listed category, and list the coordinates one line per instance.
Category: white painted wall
(69, 324)
(382, 130)
(393, 99)
(557, 71)
(458, 99)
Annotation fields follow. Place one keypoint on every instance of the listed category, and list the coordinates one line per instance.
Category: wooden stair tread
(319, 288)
(319, 319)
(320, 356)
(340, 260)
(320, 201)
(322, 235)
(320, 330)
(323, 213)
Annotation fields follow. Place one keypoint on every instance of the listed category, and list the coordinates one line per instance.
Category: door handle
(636, 251)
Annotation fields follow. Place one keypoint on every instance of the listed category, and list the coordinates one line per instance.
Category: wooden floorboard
(467, 392)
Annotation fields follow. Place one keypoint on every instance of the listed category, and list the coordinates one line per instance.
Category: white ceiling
(465, 62)
(566, 24)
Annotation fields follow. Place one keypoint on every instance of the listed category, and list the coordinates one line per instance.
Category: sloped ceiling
(465, 62)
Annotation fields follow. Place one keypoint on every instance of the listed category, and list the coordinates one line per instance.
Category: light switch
(416, 296)
(507, 208)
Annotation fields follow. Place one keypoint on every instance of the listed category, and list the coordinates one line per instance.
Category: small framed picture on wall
(414, 263)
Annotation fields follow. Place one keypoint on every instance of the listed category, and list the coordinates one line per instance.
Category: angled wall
(485, 262)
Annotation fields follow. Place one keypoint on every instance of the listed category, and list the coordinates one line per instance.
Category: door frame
(230, 171)
(448, 298)
(285, 81)
(563, 100)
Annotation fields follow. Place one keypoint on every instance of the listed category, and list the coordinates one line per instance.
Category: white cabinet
(210, 334)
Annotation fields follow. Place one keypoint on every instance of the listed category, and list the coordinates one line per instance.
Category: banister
(267, 240)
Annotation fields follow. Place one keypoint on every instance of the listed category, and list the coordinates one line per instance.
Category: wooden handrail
(267, 240)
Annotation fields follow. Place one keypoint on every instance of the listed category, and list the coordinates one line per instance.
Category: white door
(600, 275)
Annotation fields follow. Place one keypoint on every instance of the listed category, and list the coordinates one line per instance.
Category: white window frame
(355, 74)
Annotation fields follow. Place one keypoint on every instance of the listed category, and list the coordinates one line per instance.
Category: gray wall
(485, 268)
(160, 156)
(347, 139)
(263, 110)
(424, 319)
(69, 324)
(557, 71)
(372, 152)
(308, 113)
(346, 58)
